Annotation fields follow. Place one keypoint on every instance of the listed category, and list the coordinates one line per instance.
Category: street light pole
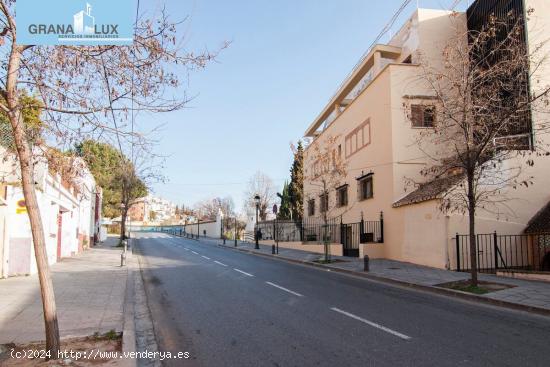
(236, 231)
(124, 240)
(257, 200)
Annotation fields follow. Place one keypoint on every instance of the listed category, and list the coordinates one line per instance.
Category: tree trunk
(472, 231)
(25, 156)
(325, 237)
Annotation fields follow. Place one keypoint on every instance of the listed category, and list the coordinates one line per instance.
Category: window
(342, 195)
(311, 207)
(323, 203)
(422, 116)
(365, 187)
(358, 139)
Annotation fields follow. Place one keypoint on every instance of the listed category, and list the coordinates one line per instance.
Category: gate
(350, 237)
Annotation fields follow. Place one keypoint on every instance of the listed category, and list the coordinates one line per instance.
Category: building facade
(372, 125)
(151, 210)
(70, 215)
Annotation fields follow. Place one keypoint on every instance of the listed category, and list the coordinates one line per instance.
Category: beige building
(372, 123)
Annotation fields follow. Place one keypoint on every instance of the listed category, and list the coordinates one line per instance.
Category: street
(235, 309)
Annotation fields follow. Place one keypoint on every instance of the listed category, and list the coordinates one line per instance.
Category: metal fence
(504, 252)
(316, 231)
(6, 136)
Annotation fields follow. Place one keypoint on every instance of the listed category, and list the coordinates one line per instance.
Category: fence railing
(504, 252)
(309, 231)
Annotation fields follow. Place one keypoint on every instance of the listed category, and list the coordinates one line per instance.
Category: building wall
(372, 105)
(212, 228)
(3, 269)
(421, 233)
(392, 155)
(136, 212)
(335, 248)
(77, 211)
(3, 231)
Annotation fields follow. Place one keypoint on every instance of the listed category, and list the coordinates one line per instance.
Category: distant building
(151, 210)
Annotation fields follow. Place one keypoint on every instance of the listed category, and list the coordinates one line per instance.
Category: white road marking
(373, 324)
(243, 272)
(206, 257)
(186, 249)
(285, 289)
(217, 262)
(196, 253)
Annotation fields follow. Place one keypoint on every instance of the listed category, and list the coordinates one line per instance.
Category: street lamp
(257, 201)
(124, 241)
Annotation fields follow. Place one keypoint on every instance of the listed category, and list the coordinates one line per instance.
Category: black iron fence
(315, 230)
(504, 252)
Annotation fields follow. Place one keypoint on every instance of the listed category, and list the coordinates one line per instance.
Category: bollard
(273, 249)
(366, 263)
(224, 240)
(122, 259)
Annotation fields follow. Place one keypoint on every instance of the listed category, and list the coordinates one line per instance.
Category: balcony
(360, 77)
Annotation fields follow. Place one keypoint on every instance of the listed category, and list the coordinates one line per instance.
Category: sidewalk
(526, 295)
(89, 292)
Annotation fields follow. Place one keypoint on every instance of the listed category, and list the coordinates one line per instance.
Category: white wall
(77, 212)
(3, 243)
(213, 229)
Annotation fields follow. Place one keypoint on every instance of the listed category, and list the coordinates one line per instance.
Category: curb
(146, 337)
(128, 330)
(431, 289)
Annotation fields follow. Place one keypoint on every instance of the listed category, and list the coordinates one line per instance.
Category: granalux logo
(75, 22)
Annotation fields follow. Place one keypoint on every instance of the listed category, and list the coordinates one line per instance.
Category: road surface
(228, 308)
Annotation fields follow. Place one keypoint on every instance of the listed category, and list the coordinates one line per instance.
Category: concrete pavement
(89, 291)
(230, 308)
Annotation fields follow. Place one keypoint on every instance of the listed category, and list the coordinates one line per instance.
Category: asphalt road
(228, 308)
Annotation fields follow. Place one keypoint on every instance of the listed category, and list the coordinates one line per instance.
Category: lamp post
(124, 241)
(257, 201)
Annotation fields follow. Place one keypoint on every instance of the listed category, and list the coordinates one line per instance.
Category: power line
(218, 183)
(455, 4)
(133, 87)
(384, 30)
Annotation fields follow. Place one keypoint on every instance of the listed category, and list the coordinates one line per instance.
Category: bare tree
(327, 172)
(481, 133)
(210, 208)
(85, 92)
(260, 184)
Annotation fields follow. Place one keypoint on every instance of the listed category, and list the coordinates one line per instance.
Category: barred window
(311, 207)
(422, 116)
(342, 195)
(365, 187)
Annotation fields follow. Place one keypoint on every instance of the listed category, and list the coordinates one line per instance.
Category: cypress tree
(296, 187)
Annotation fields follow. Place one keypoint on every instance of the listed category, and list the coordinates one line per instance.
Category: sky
(286, 59)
